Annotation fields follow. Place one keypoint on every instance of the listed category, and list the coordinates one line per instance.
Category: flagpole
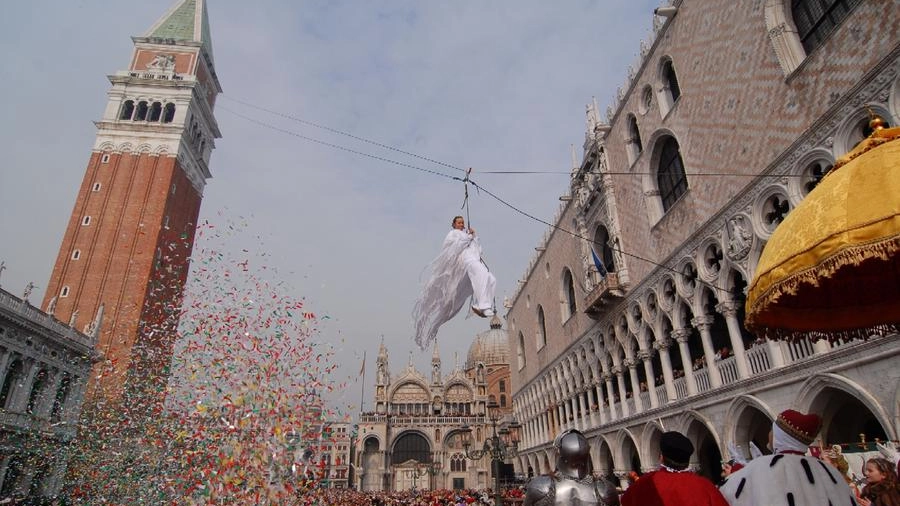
(362, 387)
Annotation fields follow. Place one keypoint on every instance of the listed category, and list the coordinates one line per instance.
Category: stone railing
(728, 370)
(758, 359)
(424, 419)
(662, 396)
(17, 306)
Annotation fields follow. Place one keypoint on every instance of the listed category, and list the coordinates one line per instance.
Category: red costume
(665, 488)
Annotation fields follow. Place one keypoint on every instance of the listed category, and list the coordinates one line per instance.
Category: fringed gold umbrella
(831, 269)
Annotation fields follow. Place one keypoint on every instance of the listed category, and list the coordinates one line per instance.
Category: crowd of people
(470, 497)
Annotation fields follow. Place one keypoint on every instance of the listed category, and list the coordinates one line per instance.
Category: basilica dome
(490, 347)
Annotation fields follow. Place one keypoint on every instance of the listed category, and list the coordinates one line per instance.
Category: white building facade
(414, 437)
(730, 117)
(44, 368)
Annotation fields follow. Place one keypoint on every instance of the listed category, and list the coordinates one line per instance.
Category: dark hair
(885, 467)
(456, 218)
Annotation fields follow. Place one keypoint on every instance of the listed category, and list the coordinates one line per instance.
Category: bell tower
(129, 238)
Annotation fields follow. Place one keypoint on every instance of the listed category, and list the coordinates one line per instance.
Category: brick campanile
(124, 258)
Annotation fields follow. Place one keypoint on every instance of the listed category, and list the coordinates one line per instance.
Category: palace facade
(731, 115)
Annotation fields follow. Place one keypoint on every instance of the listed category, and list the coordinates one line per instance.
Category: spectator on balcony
(723, 353)
(788, 477)
(699, 362)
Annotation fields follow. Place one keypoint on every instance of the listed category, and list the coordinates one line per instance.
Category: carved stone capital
(727, 309)
(662, 343)
(702, 322)
(681, 335)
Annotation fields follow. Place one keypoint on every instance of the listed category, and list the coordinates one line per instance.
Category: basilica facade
(731, 115)
(414, 437)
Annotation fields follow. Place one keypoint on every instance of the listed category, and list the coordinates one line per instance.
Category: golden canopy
(831, 269)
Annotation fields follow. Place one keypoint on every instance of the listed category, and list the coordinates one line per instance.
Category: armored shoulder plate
(540, 491)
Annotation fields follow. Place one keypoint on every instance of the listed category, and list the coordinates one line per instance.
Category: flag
(362, 369)
(598, 263)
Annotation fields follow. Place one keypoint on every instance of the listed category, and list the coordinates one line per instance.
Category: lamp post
(501, 445)
(421, 471)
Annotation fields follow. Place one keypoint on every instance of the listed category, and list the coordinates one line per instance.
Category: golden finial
(875, 121)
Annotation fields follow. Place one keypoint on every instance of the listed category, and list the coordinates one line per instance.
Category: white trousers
(483, 285)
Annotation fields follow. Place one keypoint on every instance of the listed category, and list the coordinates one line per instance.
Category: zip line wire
(337, 146)
(346, 134)
(448, 165)
(467, 180)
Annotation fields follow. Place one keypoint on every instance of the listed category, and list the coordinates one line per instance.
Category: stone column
(620, 379)
(703, 323)
(582, 412)
(600, 401)
(46, 404)
(635, 385)
(607, 378)
(776, 353)
(4, 364)
(682, 336)
(728, 309)
(645, 356)
(19, 401)
(668, 378)
(622, 475)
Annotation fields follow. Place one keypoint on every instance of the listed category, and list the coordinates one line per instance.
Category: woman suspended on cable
(456, 274)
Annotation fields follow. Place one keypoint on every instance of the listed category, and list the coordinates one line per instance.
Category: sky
(494, 86)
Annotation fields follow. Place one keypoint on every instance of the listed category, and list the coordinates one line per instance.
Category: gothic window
(127, 110)
(861, 130)
(542, 328)
(141, 113)
(37, 390)
(155, 112)
(671, 80)
(411, 446)
(814, 173)
(670, 176)
(646, 99)
(11, 477)
(59, 401)
(668, 88)
(169, 114)
(603, 248)
(502, 386)
(520, 351)
(815, 19)
(634, 145)
(13, 376)
(568, 302)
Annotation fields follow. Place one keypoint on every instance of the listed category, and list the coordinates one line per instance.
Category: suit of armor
(572, 483)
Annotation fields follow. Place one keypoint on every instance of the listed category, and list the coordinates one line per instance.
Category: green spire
(187, 20)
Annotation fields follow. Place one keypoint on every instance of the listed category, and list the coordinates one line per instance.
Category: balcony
(604, 292)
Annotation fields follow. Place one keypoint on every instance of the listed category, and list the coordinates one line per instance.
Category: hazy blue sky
(498, 85)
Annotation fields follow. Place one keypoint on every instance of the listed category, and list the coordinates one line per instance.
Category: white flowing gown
(456, 274)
